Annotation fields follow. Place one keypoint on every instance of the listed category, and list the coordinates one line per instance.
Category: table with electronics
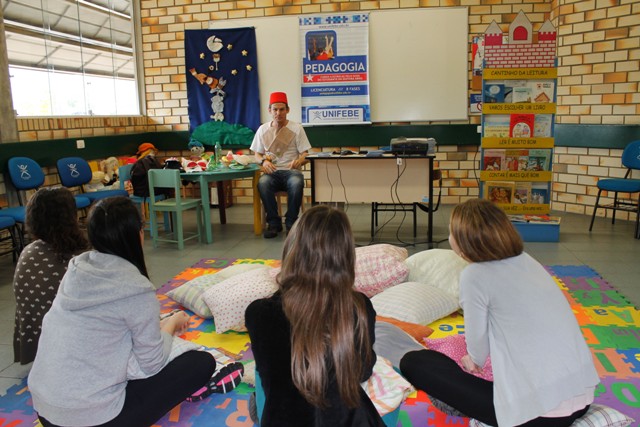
(224, 174)
(388, 179)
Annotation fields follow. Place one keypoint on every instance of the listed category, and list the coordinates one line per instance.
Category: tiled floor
(611, 250)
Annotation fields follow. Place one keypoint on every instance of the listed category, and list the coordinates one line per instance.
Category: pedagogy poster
(335, 69)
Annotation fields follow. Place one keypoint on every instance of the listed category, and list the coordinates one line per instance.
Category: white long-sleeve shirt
(514, 311)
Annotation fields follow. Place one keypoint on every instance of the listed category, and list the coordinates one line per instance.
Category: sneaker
(224, 379)
(271, 231)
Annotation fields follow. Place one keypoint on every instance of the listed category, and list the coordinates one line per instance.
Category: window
(71, 57)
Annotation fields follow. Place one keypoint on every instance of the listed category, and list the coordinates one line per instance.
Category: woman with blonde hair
(313, 340)
(514, 312)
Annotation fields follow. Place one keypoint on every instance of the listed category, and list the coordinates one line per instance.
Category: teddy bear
(110, 168)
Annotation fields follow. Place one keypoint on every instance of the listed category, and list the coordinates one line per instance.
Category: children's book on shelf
(493, 93)
(513, 159)
(536, 219)
(542, 91)
(522, 193)
(521, 94)
(542, 125)
(539, 159)
(509, 86)
(521, 125)
(493, 160)
(499, 192)
(496, 125)
(539, 195)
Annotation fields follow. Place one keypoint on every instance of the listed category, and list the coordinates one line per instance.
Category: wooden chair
(124, 175)
(170, 178)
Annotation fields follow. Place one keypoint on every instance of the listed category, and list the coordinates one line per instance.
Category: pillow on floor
(437, 267)
(418, 332)
(597, 416)
(189, 294)
(414, 302)
(229, 299)
(455, 347)
(379, 267)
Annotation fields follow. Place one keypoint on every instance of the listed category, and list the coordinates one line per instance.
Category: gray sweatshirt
(104, 314)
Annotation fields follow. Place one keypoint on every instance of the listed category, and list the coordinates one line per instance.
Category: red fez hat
(278, 97)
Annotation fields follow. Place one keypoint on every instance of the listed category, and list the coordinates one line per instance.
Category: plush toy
(196, 148)
(96, 183)
(110, 168)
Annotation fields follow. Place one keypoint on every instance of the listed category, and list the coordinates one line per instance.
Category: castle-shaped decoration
(519, 50)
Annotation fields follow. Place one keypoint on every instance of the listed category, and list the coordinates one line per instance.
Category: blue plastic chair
(124, 175)
(630, 160)
(76, 172)
(26, 174)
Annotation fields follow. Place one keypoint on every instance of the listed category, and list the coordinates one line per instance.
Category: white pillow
(597, 416)
(229, 299)
(189, 294)
(379, 267)
(414, 302)
(437, 267)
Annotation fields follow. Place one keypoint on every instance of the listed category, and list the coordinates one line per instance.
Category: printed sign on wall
(335, 69)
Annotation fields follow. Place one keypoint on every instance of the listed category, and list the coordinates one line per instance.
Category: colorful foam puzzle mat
(610, 324)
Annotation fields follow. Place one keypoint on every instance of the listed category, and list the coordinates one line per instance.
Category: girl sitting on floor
(104, 318)
(313, 339)
(513, 311)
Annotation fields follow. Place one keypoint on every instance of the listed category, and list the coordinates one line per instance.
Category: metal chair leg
(595, 209)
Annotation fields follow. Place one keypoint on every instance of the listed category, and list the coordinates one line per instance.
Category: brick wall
(598, 58)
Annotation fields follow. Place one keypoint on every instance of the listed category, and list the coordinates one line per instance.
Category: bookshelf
(519, 85)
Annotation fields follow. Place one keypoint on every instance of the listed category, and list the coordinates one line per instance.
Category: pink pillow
(455, 347)
(379, 267)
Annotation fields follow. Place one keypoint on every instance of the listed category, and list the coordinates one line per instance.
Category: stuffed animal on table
(196, 161)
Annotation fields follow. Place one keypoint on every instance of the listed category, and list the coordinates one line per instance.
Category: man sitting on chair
(280, 147)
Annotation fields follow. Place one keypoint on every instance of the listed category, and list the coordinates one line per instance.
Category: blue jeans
(290, 181)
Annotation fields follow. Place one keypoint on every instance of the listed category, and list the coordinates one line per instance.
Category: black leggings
(441, 377)
(149, 399)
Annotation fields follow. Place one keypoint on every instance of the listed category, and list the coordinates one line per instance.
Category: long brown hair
(328, 317)
(483, 231)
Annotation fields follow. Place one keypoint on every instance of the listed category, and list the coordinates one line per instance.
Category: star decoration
(249, 68)
(201, 55)
(245, 53)
(229, 46)
(309, 77)
(234, 72)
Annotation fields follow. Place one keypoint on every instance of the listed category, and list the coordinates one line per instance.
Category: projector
(415, 146)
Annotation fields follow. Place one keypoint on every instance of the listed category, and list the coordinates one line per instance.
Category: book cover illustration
(521, 94)
(509, 86)
(500, 192)
(493, 160)
(522, 193)
(496, 125)
(540, 195)
(542, 125)
(521, 125)
(542, 91)
(539, 160)
(513, 158)
(493, 93)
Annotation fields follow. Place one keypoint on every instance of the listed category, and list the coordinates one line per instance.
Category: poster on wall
(335, 68)
(222, 80)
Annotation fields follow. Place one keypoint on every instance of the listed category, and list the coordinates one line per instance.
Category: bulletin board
(418, 62)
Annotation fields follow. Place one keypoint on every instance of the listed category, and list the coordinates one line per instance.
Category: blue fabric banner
(222, 77)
